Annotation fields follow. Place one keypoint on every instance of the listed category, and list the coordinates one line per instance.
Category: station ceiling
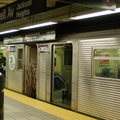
(56, 15)
(6, 2)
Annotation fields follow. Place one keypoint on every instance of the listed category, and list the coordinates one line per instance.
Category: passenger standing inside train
(2, 63)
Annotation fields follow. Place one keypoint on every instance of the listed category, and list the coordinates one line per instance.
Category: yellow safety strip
(51, 109)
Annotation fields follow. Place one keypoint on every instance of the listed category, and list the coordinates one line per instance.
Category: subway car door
(14, 67)
(62, 75)
(30, 69)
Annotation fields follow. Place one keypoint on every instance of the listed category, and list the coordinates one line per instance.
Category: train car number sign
(43, 48)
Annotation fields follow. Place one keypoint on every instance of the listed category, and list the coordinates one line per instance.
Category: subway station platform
(20, 107)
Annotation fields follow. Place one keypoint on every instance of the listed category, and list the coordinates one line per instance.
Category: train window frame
(109, 58)
(19, 59)
(64, 62)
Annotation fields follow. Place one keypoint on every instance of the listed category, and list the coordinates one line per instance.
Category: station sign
(21, 9)
(15, 39)
(105, 4)
(31, 37)
(40, 36)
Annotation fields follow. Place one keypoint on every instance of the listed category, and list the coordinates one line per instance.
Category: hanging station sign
(33, 37)
(15, 39)
(105, 4)
(40, 36)
(21, 9)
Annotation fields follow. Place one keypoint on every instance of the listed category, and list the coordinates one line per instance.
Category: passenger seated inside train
(59, 82)
(105, 72)
(60, 85)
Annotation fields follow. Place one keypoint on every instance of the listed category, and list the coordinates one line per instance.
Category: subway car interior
(62, 74)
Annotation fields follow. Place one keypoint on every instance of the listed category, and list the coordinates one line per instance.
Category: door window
(20, 58)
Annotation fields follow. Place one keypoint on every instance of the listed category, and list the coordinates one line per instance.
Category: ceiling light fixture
(96, 14)
(38, 25)
(8, 31)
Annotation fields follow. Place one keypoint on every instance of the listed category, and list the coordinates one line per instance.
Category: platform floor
(20, 107)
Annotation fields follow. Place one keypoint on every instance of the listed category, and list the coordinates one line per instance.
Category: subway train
(79, 71)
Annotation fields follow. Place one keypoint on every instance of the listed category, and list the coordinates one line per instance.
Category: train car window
(107, 63)
(68, 57)
(20, 58)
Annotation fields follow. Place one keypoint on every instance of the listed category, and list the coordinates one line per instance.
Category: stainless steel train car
(79, 71)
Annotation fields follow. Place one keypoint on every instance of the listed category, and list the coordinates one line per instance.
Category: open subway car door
(62, 74)
(30, 69)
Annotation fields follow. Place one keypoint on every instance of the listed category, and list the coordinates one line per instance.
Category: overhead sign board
(12, 40)
(40, 36)
(21, 9)
(31, 37)
(105, 4)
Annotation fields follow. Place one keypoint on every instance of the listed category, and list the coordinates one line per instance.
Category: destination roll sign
(105, 4)
(21, 9)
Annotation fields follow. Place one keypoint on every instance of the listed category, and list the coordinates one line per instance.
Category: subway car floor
(20, 107)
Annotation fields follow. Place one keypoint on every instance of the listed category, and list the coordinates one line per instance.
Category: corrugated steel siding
(42, 79)
(96, 97)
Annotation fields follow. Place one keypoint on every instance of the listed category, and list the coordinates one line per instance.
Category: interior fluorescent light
(96, 14)
(8, 31)
(38, 25)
